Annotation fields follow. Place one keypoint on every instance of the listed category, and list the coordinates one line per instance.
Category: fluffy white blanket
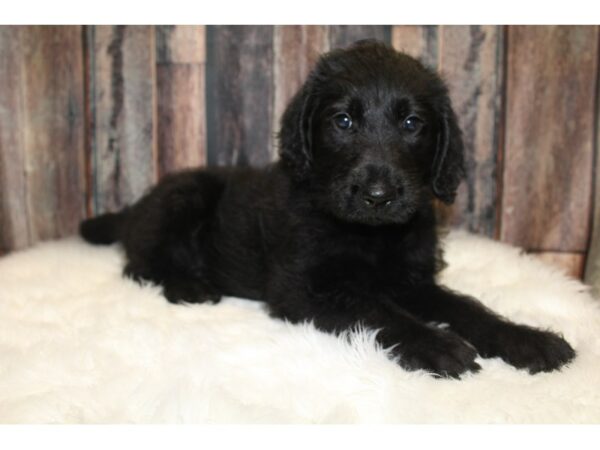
(78, 343)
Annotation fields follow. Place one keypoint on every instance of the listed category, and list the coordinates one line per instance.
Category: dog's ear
(295, 136)
(448, 164)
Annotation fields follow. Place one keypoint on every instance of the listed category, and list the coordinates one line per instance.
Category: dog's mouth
(374, 211)
(392, 212)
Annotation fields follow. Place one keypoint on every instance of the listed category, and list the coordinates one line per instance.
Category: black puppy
(341, 230)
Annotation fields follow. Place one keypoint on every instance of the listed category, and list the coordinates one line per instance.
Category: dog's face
(374, 134)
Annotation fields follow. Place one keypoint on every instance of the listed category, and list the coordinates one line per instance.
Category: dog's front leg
(334, 307)
(493, 336)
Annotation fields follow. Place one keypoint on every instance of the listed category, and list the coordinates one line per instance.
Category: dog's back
(206, 225)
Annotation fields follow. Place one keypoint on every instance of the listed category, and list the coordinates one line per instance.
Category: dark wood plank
(551, 86)
(180, 97)
(122, 81)
(421, 42)
(53, 131)
(345, 35)
(570, 263)
(14, 216)
(471, 61)
(296, 51)
(240, 95)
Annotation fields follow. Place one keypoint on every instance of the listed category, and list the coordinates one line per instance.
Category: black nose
(377, 194)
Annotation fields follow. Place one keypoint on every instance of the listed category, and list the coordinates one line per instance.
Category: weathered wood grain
(180, 44)
(122, 81)
(296, 51)
(592, 264)
(345, 35)
(551, 86)
(471, 62)
(570, 263)
(14, 214)
(181, 119)
(53, 132)
(240, 95)
(421, 42)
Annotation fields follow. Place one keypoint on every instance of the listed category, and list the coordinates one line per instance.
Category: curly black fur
(341, 230)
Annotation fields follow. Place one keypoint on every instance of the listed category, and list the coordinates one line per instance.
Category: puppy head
(372, 131)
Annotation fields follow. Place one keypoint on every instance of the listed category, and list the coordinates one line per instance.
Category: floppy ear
(295, 136)
(448, 164)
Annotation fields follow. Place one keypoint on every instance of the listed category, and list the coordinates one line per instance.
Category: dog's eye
(412, 124)
(342, 121)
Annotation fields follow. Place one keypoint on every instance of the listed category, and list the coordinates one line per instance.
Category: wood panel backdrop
(90, 116)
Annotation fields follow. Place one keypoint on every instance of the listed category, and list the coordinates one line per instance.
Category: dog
(341, 230)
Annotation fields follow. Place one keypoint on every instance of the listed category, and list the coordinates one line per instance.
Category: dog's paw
(528, 348)
(440, 352)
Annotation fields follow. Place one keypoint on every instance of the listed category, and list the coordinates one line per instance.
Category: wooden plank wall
(530, 123)
(549, 151)
(42, 176)
(240, 94)
(127, 104)
(14, 219)
(121, 89)
(181, 62)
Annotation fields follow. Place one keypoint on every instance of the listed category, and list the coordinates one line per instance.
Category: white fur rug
(80, 344)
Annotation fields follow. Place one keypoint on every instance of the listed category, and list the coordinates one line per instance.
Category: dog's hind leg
(167, 234)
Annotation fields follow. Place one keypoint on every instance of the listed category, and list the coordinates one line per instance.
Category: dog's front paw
(440, 352)
(528, 348)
